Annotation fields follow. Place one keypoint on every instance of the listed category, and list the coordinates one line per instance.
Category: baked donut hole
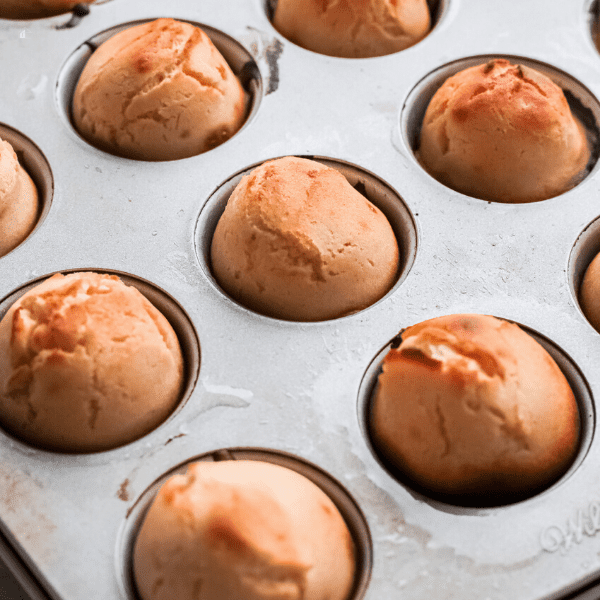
(487, 496)
(55, 350)
(368, 185)
(34, 162)
(333, 37)
(42, 9)
(236, 56)
(582, 104)
(349, 510)
(583, 273)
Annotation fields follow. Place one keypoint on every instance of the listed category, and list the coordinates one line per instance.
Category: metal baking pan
(299, 392)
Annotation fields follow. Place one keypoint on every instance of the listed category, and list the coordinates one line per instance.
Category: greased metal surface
(301, 388)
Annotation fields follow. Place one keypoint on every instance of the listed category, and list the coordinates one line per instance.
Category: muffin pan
(301, 390)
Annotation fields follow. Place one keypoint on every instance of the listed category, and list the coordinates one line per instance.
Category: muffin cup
(168, 307)
(348, 508)
(587, 422)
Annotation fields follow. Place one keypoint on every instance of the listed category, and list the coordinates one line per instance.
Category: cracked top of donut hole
(87, 363)
(504, 133)
(158, 91)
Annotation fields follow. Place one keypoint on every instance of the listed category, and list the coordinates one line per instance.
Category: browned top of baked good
(297, 241)
(158, 91)
(86, 363)
(353, 28)
(503, 132)
(472, 404)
